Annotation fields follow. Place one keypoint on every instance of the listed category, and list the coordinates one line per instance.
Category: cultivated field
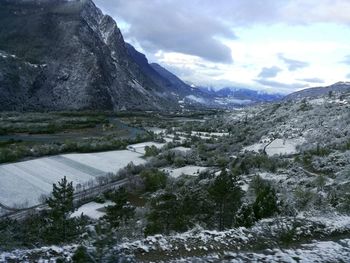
(23, 183)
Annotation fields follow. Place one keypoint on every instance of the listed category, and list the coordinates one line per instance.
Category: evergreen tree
(61, 227)
(245, 216)
(122, 211)
(82, 256)
(153, 179)
(197, 207)
(166, 215)
(61, 201)
(227, 195)
(266, 202)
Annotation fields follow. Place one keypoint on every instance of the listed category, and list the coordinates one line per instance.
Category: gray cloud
(346, 60)
(293, 64)
(348, 76)
(174, 27)
(269, 72)
(193, 27)
(197, 27)
(280, 85)
(312, 80)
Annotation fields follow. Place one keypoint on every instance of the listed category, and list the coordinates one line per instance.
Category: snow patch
(91, 210)
(187, 170)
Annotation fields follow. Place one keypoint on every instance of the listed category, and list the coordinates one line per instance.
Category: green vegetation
(151, 151)
(61, 228)
(153, 179)
(121, 211)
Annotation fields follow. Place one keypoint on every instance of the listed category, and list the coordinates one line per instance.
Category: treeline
(47, 123)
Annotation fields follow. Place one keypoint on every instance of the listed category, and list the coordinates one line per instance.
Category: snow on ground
(170, 138)
(245, 187)
(254, 147)
(181, 149)
(277, 147)
(322, 251)
(25, 182)
(140, 147)
(187, 170)
(48, 254)
(317, 101)
(156, 130)
(91, 210)
(234, 245)
(272, 176)
(108, 161)
(334, 222)
(206, 135)
(167, 139)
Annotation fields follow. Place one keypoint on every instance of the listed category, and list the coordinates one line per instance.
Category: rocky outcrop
(67, 55)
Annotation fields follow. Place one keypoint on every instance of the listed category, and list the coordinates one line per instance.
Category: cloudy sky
(271, 45)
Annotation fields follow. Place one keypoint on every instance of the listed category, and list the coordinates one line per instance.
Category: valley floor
(268, 183)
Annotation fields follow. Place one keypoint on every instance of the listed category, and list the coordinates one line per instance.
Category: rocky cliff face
(66, 55)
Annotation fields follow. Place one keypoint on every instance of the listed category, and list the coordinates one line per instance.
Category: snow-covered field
(277, 147)
(25, 182)
(187, 170)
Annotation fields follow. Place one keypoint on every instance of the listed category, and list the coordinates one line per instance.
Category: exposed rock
(66, 55)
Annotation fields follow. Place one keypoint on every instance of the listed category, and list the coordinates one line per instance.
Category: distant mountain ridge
(341, 87)
(243, 94)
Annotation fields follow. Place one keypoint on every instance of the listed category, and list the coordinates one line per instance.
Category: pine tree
(81, 255)
(227, 195)
(60, 205)
(266, 202)
(122, 211)
(245, 216)
(166, 214)
(61, 201)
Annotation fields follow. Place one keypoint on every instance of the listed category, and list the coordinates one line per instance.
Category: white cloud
(197, 39)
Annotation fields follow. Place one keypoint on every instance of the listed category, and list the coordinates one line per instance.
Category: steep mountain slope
(156, 73)
(339, 87)
(59, 54)
(170, 82)
(179, 86)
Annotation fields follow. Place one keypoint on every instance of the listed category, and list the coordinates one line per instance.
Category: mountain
(179, 86)
(248, 94)
(67, 55)
(339, 87)
(240, 96)
(160, 75)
